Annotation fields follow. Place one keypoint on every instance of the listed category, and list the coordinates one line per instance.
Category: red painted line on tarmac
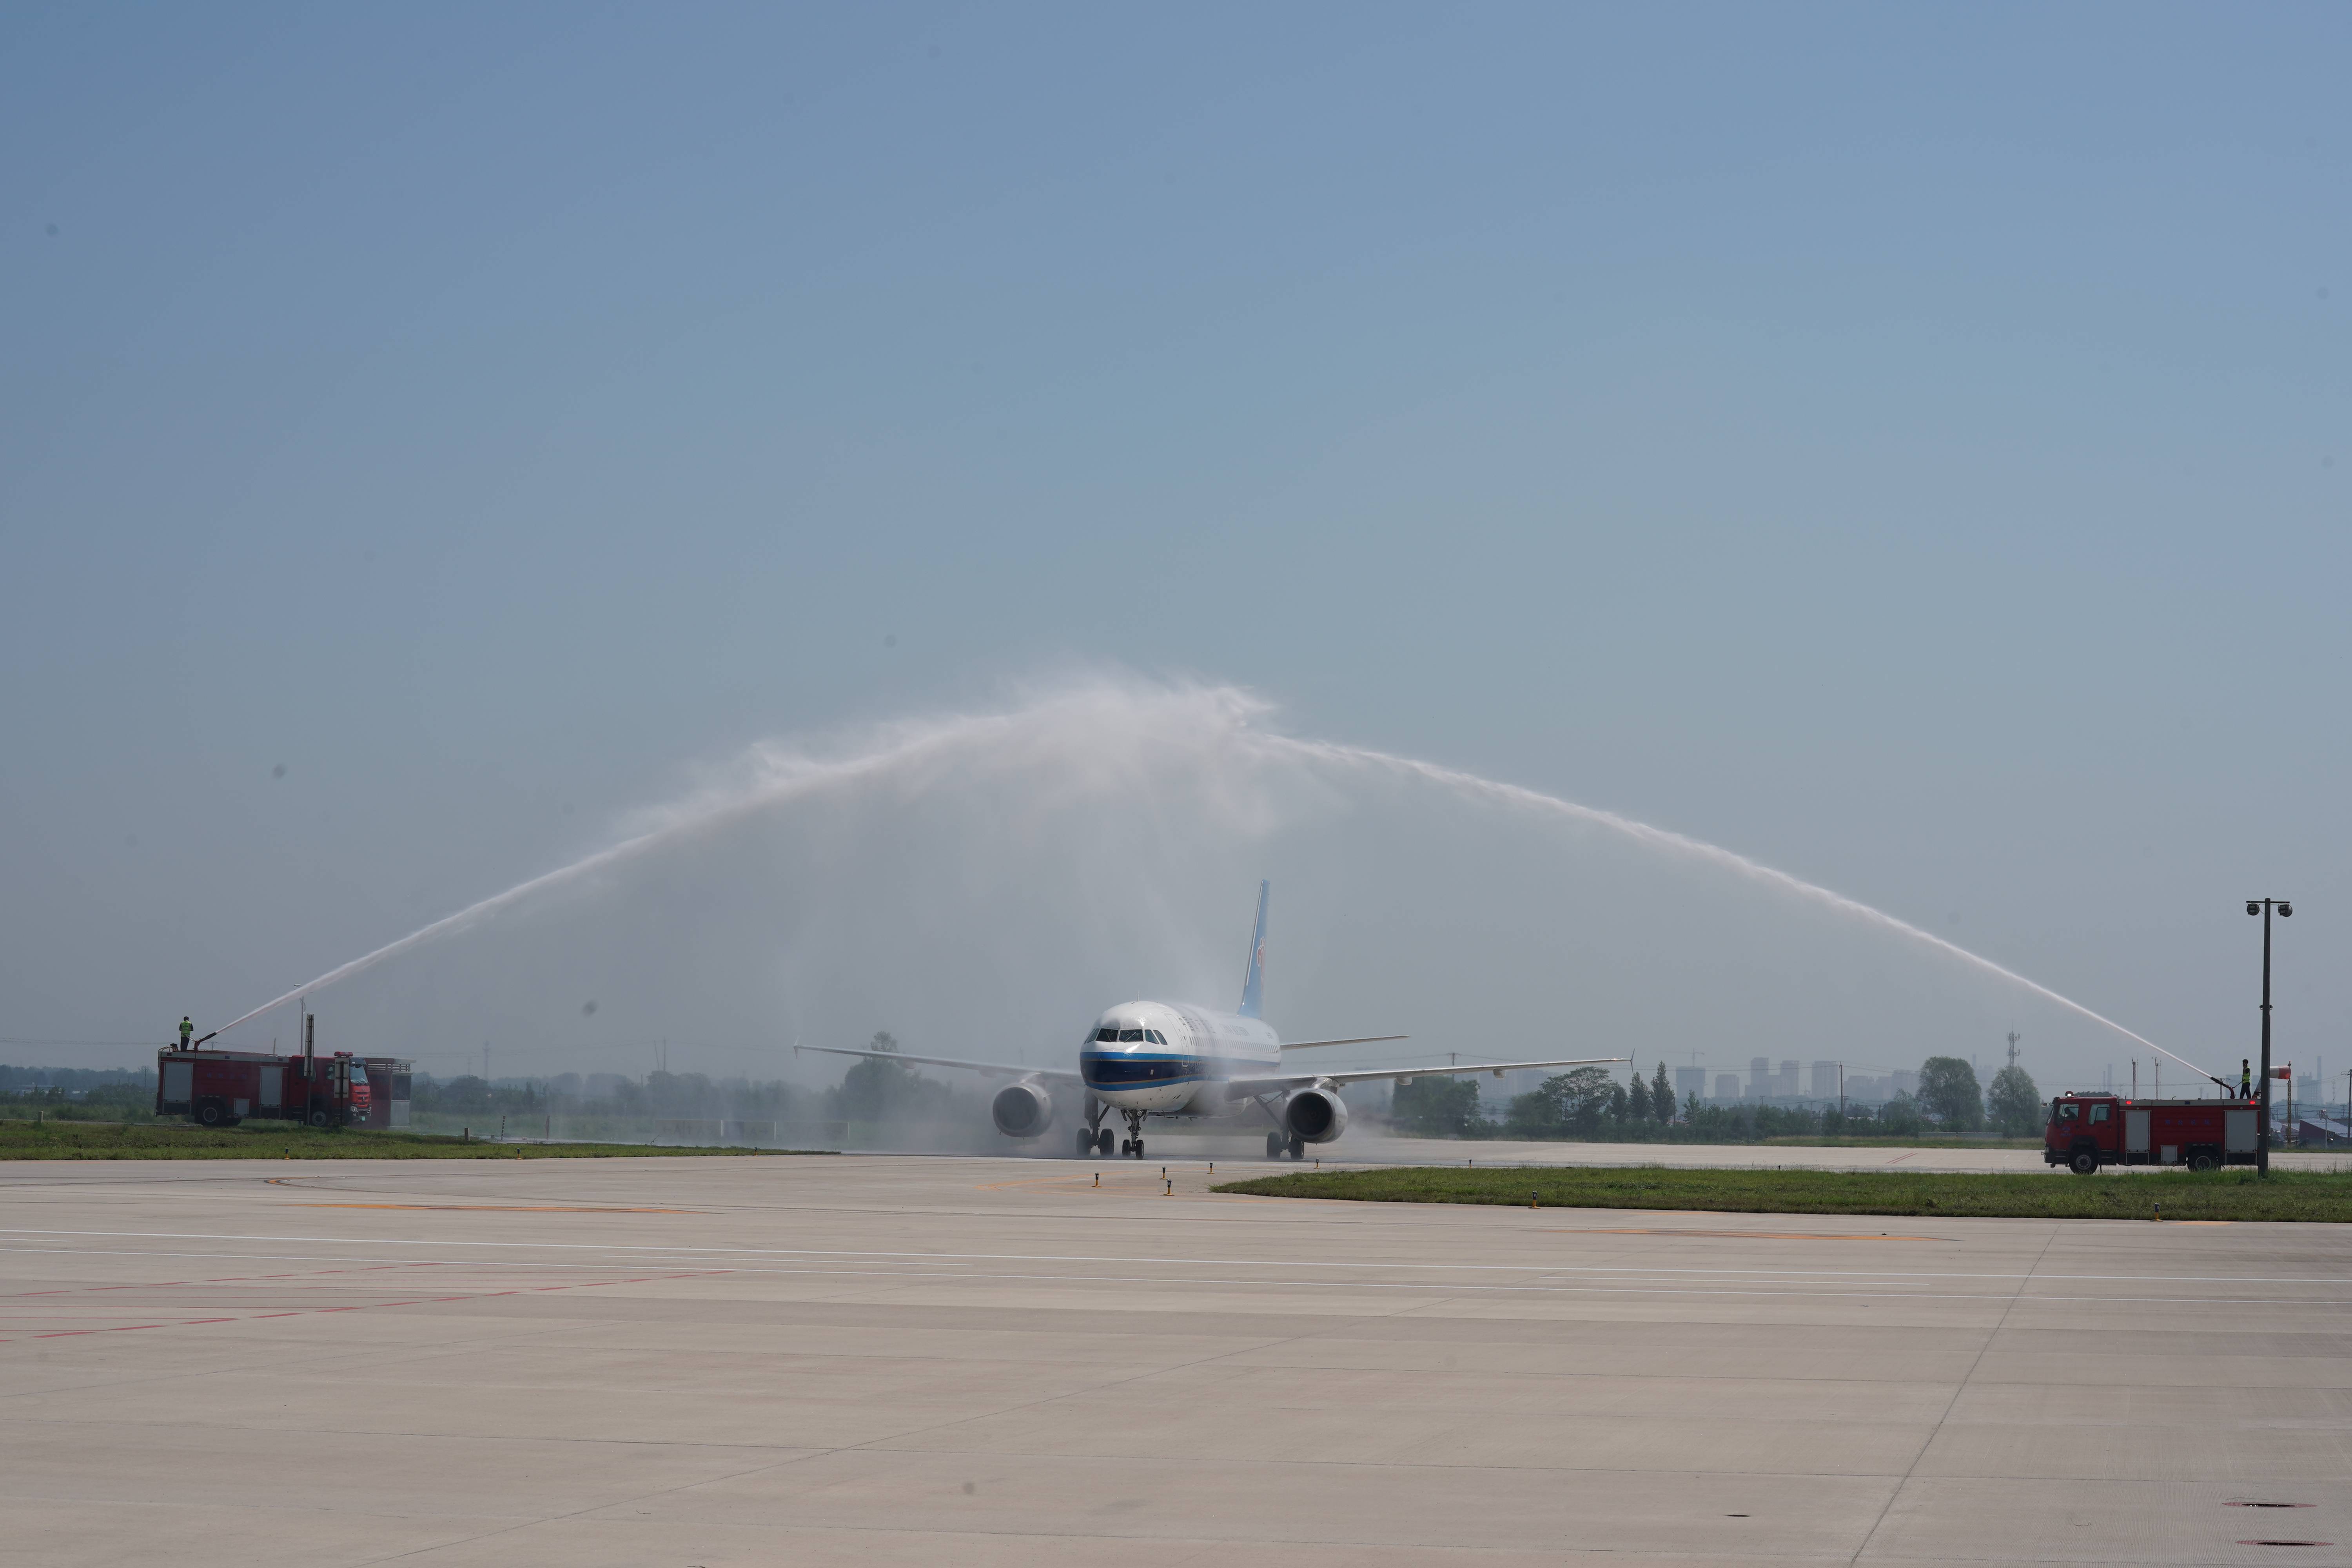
(365, 1306)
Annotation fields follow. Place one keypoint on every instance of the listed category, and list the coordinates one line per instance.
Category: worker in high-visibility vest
(2245, 1078)
(186, 1029)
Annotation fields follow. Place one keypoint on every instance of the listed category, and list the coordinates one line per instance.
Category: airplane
(1173, 1059)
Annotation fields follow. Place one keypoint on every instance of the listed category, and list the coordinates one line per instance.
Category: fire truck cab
(2088, 1131)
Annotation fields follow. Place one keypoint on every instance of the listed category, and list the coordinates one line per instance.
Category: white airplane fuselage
(1169, 1059)
(1173, 1058)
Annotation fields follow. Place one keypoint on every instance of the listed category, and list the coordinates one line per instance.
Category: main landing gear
(1094, 1138)
(1276, 1146)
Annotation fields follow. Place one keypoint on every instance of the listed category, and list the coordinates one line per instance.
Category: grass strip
(287, 1140)
(1827, 1141)
(2227, 1194)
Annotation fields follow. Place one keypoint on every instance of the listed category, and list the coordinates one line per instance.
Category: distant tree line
(1589, 1104)
(872, 1090)
(78, 1094)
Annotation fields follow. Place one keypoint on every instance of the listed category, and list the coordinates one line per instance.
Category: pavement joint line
(1950, 1404)
(1190, 1262)
(1630, 1289)
(1272, 1342)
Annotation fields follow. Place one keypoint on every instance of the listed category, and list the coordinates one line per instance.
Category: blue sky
(1907, 446)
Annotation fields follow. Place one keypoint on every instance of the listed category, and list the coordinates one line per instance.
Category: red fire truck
(2088, 1131)
(221, 1089)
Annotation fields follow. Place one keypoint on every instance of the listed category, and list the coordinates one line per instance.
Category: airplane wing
(1359, 1040)
(1247, 1086)
(995, 1069)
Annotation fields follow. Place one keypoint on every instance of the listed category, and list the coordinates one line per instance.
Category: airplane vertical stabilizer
(1253, 979)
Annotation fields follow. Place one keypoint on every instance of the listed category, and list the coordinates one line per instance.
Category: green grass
(282, 1140)
(2227, 1194)
(1889, 1141)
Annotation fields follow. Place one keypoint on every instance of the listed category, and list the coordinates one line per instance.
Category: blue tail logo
(1253, 979)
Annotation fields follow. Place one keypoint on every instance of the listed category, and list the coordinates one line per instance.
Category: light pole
(2263, 907)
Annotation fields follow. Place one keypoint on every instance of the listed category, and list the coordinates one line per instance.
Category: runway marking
(495, 1207)
(366, 1305)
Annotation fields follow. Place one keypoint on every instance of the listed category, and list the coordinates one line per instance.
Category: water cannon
(198, 1045)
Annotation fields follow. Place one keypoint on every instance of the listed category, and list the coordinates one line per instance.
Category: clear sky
(1911, 446)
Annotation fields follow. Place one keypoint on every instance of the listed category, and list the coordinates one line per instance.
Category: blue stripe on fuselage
(1194, 1069)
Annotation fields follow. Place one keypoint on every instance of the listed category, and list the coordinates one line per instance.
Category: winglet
(1254, 978)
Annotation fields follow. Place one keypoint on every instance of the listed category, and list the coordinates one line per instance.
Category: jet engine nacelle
(1315, 1115)
(1022, 1111)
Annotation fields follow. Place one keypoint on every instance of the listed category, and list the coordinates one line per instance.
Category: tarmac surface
(907, 1360)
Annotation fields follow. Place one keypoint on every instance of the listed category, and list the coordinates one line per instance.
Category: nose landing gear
(1132, 1144)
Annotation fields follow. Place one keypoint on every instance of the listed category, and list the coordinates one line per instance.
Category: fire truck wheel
(317, 1118)
(210, 1113)
(2085, 1164)
(2202, 1161)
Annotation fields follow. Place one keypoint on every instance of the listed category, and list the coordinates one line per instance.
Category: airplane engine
(1315, 1115)
(1022, 1111)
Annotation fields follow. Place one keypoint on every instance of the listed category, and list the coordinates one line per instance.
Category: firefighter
(2245, 1078)
(186, 1029)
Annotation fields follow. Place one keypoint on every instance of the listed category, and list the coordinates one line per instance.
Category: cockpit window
(1111, 1035)
(1155, 1037)
(1131, 1036)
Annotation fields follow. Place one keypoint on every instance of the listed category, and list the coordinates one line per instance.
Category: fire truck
(2088, 1131)
(221, 1089)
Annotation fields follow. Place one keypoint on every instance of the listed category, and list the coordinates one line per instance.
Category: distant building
(1690, 1083)
(1825, 1081)
(1726, 1085)
(1785, 1080)
(1864, 1089)
(1903, 1083)
(1759, 1076)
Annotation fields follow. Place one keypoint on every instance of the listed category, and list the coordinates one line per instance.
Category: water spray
(1681, 844)
(782, 776)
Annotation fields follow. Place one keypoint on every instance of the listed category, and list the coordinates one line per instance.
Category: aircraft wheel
(1138, 1148)
(1102, 1143)
(1274, 1145)
(1298, 1148)
(1086, 1144)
